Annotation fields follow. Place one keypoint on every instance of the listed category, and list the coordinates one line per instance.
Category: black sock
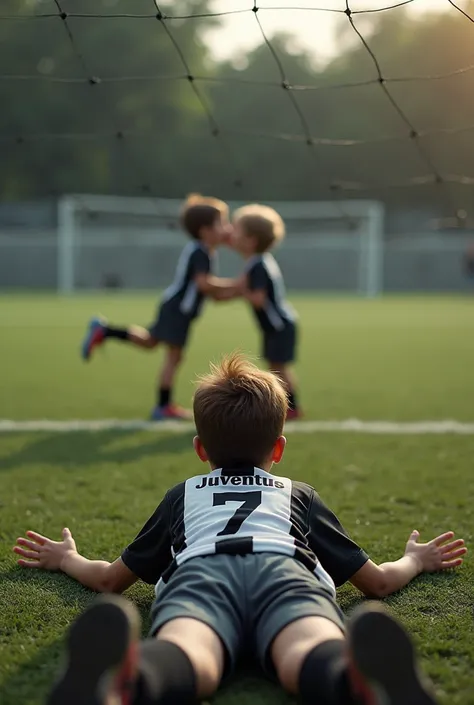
(164, 396)
(292, 401)
(324, 676)
(119, 333)
(166, 675)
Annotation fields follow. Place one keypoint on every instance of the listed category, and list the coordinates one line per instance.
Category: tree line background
(151, 135)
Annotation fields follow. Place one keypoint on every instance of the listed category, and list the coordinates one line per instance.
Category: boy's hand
(41, 552)
(439, 554)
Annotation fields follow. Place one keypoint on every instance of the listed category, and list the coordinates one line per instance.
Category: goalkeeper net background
(120, 99)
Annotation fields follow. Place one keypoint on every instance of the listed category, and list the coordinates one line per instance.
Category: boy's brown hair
(239, 411)
(262, 223)
(200, 212)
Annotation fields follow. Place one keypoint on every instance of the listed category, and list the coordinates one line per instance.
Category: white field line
(346, 426)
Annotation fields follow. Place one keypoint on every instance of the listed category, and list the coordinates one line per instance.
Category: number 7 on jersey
(249, 501)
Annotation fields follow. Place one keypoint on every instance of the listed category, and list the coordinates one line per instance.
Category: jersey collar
(236, 471)
(252, 261)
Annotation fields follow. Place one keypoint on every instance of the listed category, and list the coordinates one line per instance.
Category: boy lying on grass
(241, 558)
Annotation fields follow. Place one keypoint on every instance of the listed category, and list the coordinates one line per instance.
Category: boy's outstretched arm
(145, 558)
(345, 561)
(442, 553)
(219, 288)
(38, 551)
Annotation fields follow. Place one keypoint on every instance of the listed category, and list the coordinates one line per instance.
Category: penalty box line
(400, 428)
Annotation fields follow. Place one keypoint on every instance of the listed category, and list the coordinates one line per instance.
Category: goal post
(356, 224)
(134, 243)
(66, 241)
(372, 259)
(73, 234)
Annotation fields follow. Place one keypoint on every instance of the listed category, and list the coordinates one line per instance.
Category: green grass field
(400, 359)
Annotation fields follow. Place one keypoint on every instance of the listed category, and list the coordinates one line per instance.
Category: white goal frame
(367, 218)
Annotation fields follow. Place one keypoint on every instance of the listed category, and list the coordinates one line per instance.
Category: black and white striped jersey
(239, 512)
(183, 292)
(263, 273)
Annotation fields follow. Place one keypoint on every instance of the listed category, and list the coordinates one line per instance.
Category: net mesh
(93, 79)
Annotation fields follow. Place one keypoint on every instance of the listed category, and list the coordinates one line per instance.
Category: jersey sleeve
(149, 554)
(200, 263)
(257, 277)
(339, 555)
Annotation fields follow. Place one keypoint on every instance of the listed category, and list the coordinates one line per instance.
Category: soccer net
(134, 243)
(152, 113)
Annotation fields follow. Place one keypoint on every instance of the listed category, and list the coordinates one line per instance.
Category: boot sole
(383, 654)
(97, 645)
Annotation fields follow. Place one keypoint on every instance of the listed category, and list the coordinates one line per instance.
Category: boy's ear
(199, 449)
(279, 449)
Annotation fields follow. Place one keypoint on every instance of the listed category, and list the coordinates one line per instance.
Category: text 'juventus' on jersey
(263, 273)
(183, 293)
(239, 512)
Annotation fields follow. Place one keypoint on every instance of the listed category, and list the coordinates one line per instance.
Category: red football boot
(95, 336)
(171, 412)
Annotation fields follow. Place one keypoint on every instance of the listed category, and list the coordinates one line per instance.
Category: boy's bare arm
(441, 553)
(219, 288)
(38, 551)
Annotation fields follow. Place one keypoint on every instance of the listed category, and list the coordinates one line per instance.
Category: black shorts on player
(279, 346)
(171, 326)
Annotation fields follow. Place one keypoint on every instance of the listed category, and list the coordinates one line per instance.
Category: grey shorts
(280, 345)
(246, 600)
(171, 326)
